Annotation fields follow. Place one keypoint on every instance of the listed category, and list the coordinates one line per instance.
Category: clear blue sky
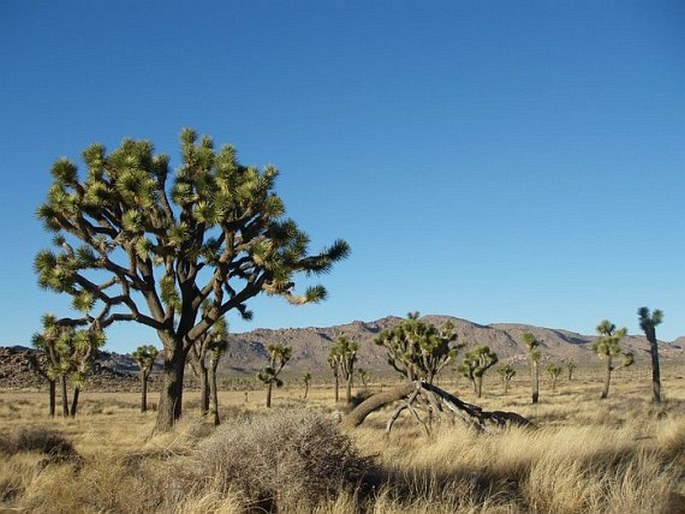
(497, 161)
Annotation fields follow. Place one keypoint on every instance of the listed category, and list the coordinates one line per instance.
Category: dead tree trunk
(436, 401)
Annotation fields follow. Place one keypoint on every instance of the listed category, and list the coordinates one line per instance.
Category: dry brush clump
(284, 460)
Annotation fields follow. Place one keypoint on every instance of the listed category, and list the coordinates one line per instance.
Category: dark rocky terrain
(311, 346)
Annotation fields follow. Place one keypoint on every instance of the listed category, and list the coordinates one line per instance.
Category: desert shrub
(37, 439)
(281, 460)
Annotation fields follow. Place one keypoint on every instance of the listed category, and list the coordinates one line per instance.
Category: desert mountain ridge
(311, 346)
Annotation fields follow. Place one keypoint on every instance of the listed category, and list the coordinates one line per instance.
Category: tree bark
(536, 384)
(74, 402)
(348, 391)
(479, 387)
(171, 395)
(607, 379)
(375, 402)
(65, 400)
(143, 398)
(204, 389)
(337, 387)
(213, 393)
(269, 388)
(52, 390)
(656, 372)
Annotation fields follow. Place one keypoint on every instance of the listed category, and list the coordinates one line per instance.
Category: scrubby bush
(281, 460)
(40, 440)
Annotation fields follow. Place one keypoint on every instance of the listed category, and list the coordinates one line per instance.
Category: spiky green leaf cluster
(477, 361)
(608, 344)
(419, 350)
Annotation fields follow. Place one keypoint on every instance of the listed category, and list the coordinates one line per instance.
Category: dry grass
(622, 455)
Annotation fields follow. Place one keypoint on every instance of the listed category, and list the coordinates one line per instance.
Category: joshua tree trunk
(143, 398)
(656, 372)
(204, 389)
(171, 396)
(348, 391)
(607, 379)
(74, 401)
(306, 390)
(506, 386)
(52, 391)
(65, 400)
(269, 388)
(337, 386)
(213, 393)
(479, 386)
(536, 384)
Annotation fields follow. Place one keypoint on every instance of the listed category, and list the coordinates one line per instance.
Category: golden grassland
(623, 454)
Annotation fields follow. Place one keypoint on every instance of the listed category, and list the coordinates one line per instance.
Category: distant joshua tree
(335, 367)
(363, 376)
(506, 373)
(533, 346)
(145, 356)
(280, 355)
(475, 364)
(608, 346)
(306, 379)
(648, 323)
(71, 354)
(344, 352)
(553, 370)
(570, 368)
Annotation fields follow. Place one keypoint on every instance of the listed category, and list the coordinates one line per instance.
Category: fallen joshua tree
(418, 396)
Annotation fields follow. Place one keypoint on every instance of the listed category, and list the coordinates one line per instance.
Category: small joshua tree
(203, 352)
(506, 373)
(648, 323)
(608, 346)
(475, 364)
(363, 376)
(280, 355)
(335, 367)
(419, 350)
(344, 352)
(71, 354)
(306, 379)
(533, 346)
(145, 356)
(570, 368)
(553, 371)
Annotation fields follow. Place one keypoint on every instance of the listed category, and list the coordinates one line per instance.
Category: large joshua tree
(419, 350)
(607, 347)
(344, 351)
(648, 323)
(533, 346)
(137, 242)
(145, 356)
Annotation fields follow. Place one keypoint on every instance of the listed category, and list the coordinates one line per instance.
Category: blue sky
(497, 161)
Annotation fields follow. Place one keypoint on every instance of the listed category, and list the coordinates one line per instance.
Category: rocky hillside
(311, 346)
